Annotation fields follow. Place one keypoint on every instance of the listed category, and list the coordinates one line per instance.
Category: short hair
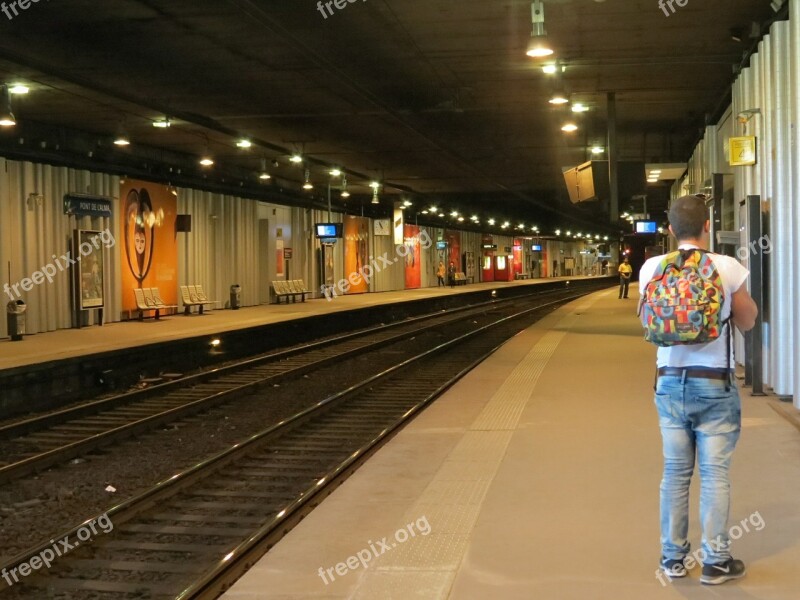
(688, 216)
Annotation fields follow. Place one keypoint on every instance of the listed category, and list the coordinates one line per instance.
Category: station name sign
(84, 205)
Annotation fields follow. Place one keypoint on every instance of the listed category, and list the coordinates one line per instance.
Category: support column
(613, 159)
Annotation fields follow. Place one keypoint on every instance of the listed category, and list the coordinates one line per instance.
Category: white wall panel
(222, 248)
(782, 238)
(794, 98)
(31, 233)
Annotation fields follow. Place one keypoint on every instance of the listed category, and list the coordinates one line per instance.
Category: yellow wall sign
(743, 151)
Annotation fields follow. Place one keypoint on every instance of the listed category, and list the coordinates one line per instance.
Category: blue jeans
(697, 416)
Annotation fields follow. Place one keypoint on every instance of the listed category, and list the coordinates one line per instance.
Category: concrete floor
(536, 477)
(68, 343)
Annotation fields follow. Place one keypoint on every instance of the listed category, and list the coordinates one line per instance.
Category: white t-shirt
(710, 355)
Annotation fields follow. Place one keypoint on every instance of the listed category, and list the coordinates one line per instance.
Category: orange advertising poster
(356, 251)
(412, 257)
(149, 251)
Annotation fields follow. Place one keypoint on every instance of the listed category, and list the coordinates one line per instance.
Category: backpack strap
(728, 354)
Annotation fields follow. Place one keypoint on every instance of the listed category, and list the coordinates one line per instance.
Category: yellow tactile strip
(504, 409)
(425, 567)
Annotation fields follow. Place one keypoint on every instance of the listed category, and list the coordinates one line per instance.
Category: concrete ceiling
(434, 97)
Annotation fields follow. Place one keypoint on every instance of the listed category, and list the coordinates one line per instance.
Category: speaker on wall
(183, 223)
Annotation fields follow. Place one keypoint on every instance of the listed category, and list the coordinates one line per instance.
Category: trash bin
(15, 313)
(236, 296)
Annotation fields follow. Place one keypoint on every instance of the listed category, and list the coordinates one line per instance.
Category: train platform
(537, 476)
(72, 343)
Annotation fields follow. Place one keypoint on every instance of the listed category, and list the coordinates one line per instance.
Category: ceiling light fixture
(345, 193)
(19, 89)
(375, 199)
(374, 185)
(336, 172)
(569, 127)
(243, 143)
(162, 123)
(579, 108)
(296, 158)
(538, 45)
(307, 185)
(559, 98)
(206, 159)
(264, 176)
(598, 150)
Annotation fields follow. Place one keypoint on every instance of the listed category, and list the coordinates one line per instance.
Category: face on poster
(149, 252)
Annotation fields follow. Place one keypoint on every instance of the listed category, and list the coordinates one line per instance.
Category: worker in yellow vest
(625, 271)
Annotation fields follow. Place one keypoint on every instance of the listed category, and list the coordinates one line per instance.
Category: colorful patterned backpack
(682, 304)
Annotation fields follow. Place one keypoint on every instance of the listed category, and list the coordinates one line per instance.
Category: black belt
(720, 374)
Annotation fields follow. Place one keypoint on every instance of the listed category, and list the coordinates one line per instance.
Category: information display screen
(536, 248)
(329, 230)
(646, 227)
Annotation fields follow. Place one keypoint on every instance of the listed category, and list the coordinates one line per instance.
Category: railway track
(41, 442)
(191, 536)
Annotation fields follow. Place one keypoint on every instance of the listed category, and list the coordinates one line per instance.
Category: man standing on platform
(690, 301)
(625, 270)
(451, 274)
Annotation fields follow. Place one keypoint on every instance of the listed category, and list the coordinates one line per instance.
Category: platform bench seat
(290, 289)
(149, 299)
(460, 278)
(191, 298)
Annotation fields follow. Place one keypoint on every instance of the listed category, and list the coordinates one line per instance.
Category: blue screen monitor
(441, 245)
(646, 227)
(536, 248)
(329, 230)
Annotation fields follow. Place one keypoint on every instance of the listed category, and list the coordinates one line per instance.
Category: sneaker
(673, 567)
(716, 574)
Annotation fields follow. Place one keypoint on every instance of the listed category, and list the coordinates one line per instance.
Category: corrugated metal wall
(33, 228)
(770, 85)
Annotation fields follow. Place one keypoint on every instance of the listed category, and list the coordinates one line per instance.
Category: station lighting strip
(122, 140)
